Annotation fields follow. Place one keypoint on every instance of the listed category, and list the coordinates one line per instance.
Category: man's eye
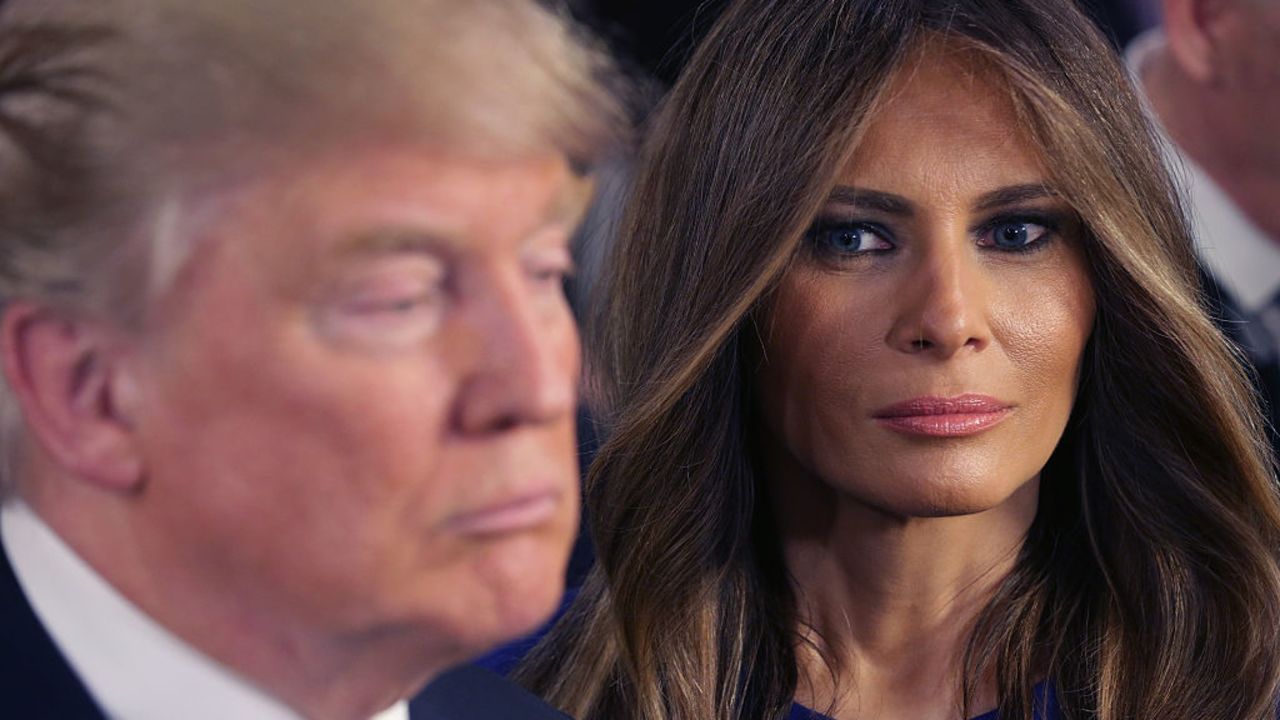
(385, 317)
(392, 295)
(550, 269)
(392, 305)
(1014, 235)
(550, 275)
(849, 238)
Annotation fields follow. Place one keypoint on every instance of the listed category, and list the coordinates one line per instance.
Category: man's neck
(1205, 130)
(318, 675)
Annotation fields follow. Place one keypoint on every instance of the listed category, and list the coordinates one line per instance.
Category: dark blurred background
(656, 36)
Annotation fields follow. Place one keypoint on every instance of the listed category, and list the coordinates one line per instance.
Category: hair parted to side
(121, 120)
(1148, 586)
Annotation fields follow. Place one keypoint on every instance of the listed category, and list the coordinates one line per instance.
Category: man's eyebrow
(565, 212)
(393, 241)
(872, 200)
(1013, 195)
(572, 203)
(409, 241)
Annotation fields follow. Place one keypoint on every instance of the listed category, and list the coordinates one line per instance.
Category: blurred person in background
(1211, 76)
(288, 411)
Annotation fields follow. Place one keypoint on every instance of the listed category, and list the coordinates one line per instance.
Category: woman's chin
(939, 496)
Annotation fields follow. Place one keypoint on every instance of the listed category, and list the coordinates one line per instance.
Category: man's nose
(942, 308)
(524, 361)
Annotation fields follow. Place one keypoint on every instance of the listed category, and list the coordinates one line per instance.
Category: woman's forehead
(941, 74)
(946, 112)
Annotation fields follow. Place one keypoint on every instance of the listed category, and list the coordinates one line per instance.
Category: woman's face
(922, 354)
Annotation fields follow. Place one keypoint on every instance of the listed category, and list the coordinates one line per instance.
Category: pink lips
(944, 417)
(515, 514)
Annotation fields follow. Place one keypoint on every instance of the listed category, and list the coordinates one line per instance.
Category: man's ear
(68, 384)
(1195, 31)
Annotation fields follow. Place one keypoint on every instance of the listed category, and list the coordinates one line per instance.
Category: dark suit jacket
(1227, 314)
(36, 683)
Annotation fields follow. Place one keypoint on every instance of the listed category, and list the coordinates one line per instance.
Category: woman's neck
(887, 603)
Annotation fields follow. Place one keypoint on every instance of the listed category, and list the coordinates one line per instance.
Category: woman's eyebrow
(898, 205)
(1013, 195)
(872, 200)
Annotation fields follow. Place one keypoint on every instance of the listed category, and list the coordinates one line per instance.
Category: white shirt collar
(133, 667)
(1235, 250)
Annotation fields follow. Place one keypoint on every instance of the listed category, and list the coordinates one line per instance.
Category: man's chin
(518, 586)
(477, 635)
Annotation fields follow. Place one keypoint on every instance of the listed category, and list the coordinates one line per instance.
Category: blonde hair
(118, 118)
(1149, 584)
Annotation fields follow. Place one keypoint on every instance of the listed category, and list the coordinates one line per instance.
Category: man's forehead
(443, 239)
(398, 199)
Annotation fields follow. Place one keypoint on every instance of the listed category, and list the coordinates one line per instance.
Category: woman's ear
(68, 381)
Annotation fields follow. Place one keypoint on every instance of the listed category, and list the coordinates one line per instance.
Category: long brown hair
(1149, 583)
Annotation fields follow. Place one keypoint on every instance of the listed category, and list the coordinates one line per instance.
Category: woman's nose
(942, 307)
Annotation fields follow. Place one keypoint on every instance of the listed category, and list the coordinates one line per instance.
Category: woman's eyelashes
(846, 238)
(1022, 233)
(832, 237)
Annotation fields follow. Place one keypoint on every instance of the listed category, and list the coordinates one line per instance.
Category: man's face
(355, 407)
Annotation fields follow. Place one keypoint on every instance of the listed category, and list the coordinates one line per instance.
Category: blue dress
(1044, 699)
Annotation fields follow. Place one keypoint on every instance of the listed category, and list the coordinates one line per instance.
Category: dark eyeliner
(1052, 222)
(829, 223)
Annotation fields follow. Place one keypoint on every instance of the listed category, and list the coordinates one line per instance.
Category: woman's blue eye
(849, 239)
(1017, 234)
